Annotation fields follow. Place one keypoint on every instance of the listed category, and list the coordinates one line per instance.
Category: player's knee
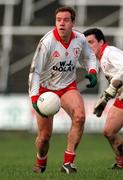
(108, 133)
(43, 138)
(79, 116)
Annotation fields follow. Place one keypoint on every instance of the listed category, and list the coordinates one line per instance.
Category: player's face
(95, 44)
(64, 25)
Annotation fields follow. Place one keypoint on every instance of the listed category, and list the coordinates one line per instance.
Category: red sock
(69, 157)
(41, 161)
(119, 160)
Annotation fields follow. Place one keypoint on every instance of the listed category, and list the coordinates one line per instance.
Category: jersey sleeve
(37, 66)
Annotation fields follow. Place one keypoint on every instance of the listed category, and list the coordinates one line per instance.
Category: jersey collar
(102, 50)
(58, 38)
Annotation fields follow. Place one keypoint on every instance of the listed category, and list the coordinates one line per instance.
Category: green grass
(94, 158)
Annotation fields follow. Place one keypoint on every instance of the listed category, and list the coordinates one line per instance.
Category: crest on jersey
(56, 54)
(76, 52)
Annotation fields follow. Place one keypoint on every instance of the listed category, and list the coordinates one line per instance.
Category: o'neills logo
(76, 52)
(55, 54)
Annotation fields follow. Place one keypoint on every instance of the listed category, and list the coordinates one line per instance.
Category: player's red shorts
(118, 103)
(60, 92)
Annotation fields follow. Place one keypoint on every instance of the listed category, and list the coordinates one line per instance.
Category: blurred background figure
(110, 59)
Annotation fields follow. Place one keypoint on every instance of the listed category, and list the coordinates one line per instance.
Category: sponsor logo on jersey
(64, 66)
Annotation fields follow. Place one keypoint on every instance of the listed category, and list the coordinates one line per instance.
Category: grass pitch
(94, 158)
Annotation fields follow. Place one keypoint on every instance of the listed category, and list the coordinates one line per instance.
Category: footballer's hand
(108, 94)
(37, 110)
(93, 80)
(34, 104)
(100, 106)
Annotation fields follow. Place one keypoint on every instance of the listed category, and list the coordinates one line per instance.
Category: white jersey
(54, 63)
(111, 63)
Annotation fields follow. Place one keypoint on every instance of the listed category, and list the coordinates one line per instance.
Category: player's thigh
(73, 102)
(114, 120)
(44, 124)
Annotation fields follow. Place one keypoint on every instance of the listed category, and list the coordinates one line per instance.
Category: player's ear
(101, 42)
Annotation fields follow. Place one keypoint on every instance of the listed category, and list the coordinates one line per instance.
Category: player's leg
(113, 125)
(73, 104)
(45, 126)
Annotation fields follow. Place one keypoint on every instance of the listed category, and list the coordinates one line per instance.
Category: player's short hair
(95, 31)
(67, 8)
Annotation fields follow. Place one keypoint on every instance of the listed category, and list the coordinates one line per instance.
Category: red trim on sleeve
(92, 71)
(118, 103)
(34, 99)
(57, 36)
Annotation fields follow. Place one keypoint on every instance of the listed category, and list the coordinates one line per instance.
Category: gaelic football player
(54, 69)
(111, 62)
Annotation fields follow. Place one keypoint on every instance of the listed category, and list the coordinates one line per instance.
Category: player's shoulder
(47, 38)
(112, 49)
(113, 52)
(78, 33)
